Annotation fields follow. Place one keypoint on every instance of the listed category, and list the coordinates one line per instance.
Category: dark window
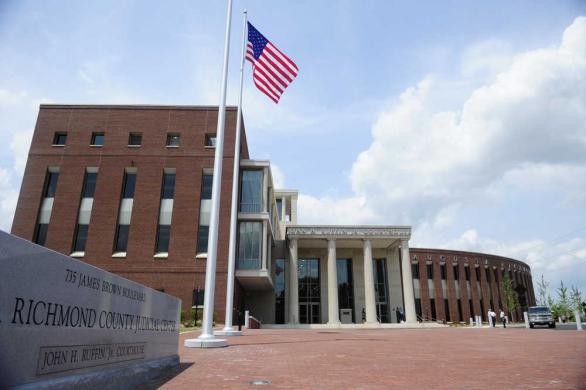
(456, 272)
(41, 233)
(280, 208)
(443, 271)
(163, 234)
(206, 186)
(160, 289)
(345, 285)
(433, 312)
(198, 297)
(471, 307)
(478, 273)
(309, 291)
(173, 139)
(168, 190)
(97, 139)
(89, 184)
(80, 238)
(202, 239)
(429, 271)
(135, 139)
(121, 238)
(129, 184)
(60, 139)
(380, 290)
(487, 271)
(210, 140)
(460, 317)
(447, 310)
(415, 270)
(51, 184)
(280, 291)
(467, 273)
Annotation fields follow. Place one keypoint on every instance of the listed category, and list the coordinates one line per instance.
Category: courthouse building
(128, 189)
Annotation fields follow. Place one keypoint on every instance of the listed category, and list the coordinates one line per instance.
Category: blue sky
(463, 119)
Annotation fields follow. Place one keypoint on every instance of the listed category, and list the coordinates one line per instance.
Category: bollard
(471, 321)
(526, 317)
(578, 320)
(479, 321)
(246, 320)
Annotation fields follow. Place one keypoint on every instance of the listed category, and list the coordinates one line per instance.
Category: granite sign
(62, 321)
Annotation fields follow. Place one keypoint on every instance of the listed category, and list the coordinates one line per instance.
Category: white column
(409, 296)
(293, 283)
(333, 312)
(369, 299)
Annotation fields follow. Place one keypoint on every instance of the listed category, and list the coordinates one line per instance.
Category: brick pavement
(446, 358)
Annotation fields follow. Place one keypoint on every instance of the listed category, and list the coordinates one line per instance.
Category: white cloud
(278, 176)
(523, 129)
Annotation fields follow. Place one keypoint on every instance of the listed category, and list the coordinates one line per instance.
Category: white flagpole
(228, 331)
(207, 339)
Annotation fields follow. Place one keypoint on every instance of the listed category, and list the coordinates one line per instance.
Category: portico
(362, 272)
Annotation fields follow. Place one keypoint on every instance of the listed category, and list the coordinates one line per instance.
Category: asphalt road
(558, 326)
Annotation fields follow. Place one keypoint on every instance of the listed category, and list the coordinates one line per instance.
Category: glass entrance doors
(309, 291)
(381, 290)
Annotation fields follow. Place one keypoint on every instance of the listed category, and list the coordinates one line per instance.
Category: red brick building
(128, 189)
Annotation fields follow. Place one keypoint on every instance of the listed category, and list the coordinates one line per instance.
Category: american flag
(272, 70)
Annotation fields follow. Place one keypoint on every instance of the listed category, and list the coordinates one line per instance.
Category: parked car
(540, 315)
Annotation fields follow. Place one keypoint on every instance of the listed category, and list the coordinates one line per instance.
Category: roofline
(133, 107)
(353, 226)
(462, 252)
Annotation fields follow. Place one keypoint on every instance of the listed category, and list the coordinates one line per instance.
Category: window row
(134, 139)
(124, 211)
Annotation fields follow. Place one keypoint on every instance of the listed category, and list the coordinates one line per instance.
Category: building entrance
(309, 291)
(381, 290)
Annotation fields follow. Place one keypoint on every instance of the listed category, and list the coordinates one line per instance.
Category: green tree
(563, 306)
(510, 298)
(576, 300)
(543, 292)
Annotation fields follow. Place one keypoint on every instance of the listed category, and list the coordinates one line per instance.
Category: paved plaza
(445, 358)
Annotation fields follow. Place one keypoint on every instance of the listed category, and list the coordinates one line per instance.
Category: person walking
(402, 314)
(492, 316)
(503, 319)
(398, 315)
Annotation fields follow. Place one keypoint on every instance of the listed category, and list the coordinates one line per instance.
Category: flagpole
(207, 339)
(228, 331)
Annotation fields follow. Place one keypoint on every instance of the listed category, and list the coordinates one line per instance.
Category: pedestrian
(363, 315)
(402, 313)
(503, 319)
(492, 316)
(398, 314)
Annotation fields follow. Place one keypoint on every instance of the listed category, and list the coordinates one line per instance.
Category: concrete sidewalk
(444, 358)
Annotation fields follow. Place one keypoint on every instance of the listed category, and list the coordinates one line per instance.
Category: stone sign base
(126, 377)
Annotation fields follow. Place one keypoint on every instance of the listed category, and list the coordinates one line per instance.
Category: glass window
(51, 184)
(163, 234)
(280, 208)
(206, 186)
(443, 271)
(478, 273)
(415, 270)
(129, 184)
(134, 139)
(251, 196)
(60, 139)
(198, 297)
(456, 272)
(97, 139)
(429, 271)
(173, 139)
(202, 239)
(41, 233)
(280, 291)
(487, 271)
(89, 184)
(168, 190)
(249, 245)
(467, 273)
(121, 238)
(80, 238)
(210, 140)
(447, 310)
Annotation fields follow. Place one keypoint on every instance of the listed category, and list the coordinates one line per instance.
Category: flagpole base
(207, 342)
(228, 332)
